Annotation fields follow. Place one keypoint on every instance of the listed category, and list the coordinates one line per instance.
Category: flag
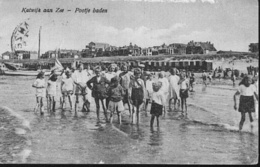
(58, 66)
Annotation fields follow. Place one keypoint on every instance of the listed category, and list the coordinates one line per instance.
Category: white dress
(174, 88)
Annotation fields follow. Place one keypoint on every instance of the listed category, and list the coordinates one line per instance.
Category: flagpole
(39, 47)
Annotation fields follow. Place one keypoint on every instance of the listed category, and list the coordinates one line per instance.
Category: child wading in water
(158, 100)
(149, 90)
(39, 84)
(247, 91)
(116, 94)
(67, 86)
(51, 92)
(184, 87)
(192, 80)
(98, 88)
(136, 92)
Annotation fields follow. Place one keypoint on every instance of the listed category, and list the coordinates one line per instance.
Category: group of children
(114, 90)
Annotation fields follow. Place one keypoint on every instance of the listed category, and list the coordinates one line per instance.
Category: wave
(224, 126)
(21, 130)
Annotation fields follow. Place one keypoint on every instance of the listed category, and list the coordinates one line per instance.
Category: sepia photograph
(129, 82)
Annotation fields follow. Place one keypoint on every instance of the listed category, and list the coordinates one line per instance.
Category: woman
(247, 91)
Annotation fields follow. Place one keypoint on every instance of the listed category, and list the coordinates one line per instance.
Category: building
(95, 46)
(7, 55)
(177, 48)
(254, 47)
(200, 48)
(147, 51)
(33, 55)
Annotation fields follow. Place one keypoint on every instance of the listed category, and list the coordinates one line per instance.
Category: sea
(208, 135)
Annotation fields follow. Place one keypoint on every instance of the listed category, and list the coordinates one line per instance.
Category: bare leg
(129, 108)
(111, 117)
(76, 103)
(54, 102)
(41, 106)
(97, 107)
(152, 120)
(105, 111)
(185, 105)
(69, 96)
(170, 100)
(157, 118)
(119, 117)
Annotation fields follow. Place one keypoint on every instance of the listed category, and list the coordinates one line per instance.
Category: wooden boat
(23, 73)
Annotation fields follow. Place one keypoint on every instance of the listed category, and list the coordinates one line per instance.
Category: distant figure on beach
(158, 100)
(164, 88)
(184, 88)
(149, 90)
(67, 88)
(39, 84)
(247, 91)
(98, 85)
(125, 82)
(204, 78)
(51, 92)
(256, 101)
(210, 77)
(80, 79)
(192, 80)
(233, 78)
(116, 94)
(136, 93)
(174, 88)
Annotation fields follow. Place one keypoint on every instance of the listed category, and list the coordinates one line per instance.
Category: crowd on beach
(117, 86)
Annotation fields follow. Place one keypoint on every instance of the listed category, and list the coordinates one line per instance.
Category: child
(247, 91)
(210, 77)
(39, 84)
(51, 92)
(164, 88)
(192, 80)
(149, 89)
(99, 90)
(136, 92)
(158, 100)
(116, 95)
(204, 78)
(174, 88)
(67, 86)
(184, 87)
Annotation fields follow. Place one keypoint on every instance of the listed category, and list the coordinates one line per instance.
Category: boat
(23, 73)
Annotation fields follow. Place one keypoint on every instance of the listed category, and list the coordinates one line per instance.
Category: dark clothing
(125, 98)
(99, 89)
(184, 93)
(246, 104)
(116, 94)
(156, 109)
(192, 79)
(137, 96)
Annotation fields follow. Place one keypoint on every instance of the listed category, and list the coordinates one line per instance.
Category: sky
(229, 24)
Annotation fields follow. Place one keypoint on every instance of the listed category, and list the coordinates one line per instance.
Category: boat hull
(23, 73)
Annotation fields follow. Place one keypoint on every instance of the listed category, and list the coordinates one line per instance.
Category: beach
(209, 135)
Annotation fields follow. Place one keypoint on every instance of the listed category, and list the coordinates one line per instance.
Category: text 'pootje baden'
(60, 10)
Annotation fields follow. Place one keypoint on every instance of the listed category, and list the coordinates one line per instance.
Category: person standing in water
(98, 85)
(184, 87)
(158, 100)
(174, 88)
(247, 91)
(115, 93)
(164, 88)
(149, 90)
(51, 92)
(39, 84)
(204, 78)
(137, 92)
(125, 78)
